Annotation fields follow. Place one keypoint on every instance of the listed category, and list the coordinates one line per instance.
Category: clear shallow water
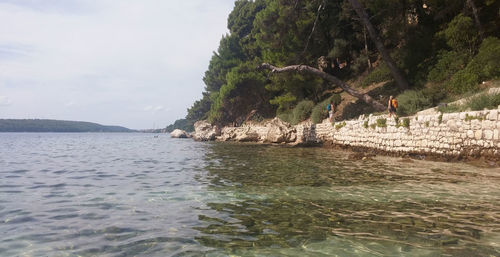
(137, 195)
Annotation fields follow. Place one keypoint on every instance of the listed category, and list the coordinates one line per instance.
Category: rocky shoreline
(466, 136)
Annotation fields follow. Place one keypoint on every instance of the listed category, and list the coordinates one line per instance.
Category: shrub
(483, 66)
(373, 125)
(435, 94)
(427, 123)
(448, 63)
(381, 122)
(475, 103)
(412, 101)
(302, 111)
(483, 101)
(365, 124)
(286, 116)
(463, 81)
(379, 74)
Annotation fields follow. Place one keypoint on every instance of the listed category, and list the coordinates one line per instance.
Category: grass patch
(373, 126)
(404, 123)
(475, 103)
(365, 124)
(382, 123)
(340, 125)
(379, 74)
(469, 118)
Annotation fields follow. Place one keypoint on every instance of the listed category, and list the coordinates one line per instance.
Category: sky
(132, 63)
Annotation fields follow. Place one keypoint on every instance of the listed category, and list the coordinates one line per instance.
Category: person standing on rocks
(392, 105)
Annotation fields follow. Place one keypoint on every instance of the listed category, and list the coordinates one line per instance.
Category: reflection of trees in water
(279, 221)
(282, 166)
(292, 223)
(258, 165)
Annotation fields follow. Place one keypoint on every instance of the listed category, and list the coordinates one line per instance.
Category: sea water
(91, 194)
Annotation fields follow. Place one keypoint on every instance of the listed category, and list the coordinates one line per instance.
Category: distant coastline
(46, 125)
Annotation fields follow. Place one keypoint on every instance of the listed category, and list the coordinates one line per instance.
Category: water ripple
(137, 195)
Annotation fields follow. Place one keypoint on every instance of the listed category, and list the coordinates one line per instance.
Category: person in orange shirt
(392, 105)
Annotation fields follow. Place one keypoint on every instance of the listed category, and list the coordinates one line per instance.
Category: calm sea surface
(141, 195)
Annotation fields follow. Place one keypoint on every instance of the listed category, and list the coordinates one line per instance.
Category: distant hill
(37, 125)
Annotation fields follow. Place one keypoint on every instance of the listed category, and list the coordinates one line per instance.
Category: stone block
(488, 134)
(478, 134)
(493, 115)
(496, 134)
(475, 124)
(488, 124)
(462, 115)
(452, 125)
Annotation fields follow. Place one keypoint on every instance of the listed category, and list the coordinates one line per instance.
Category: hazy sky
(135, 63)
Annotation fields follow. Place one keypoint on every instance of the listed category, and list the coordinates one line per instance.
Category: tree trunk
(476, 18)
(366, 50)
(398, 77)
(321, 6)
(308, 69)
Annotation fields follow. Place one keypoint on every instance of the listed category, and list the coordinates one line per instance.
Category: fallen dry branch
(308, 69)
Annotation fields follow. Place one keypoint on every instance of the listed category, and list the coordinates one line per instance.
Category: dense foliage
(183, 124)
(438, 44)
(36, 125)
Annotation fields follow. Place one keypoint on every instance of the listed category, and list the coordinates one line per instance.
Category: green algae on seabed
(297, 201)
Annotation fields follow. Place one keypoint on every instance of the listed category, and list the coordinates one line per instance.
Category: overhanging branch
(311, 70)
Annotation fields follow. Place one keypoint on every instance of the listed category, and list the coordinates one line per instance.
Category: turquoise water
(141, 195)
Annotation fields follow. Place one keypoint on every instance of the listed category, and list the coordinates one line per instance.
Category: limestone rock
(204, 131)
(177, 133)
(240, 134)
(280, 132)
(488, 134)
(478, 134)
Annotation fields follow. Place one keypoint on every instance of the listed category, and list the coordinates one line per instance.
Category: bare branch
(310, 70)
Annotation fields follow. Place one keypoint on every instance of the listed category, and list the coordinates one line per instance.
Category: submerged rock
(177, 133)
(204, 131)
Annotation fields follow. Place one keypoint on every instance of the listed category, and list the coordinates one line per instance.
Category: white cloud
(110, 56)
(5, 101)
(154, 108)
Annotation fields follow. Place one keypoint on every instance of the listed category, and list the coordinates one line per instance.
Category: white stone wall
(449, 133)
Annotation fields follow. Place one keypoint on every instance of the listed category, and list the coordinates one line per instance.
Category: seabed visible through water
(137, 195)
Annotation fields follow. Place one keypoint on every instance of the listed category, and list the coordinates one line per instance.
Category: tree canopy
(438, 45)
